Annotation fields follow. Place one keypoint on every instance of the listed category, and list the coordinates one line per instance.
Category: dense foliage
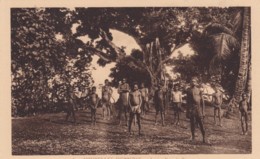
(47, 52)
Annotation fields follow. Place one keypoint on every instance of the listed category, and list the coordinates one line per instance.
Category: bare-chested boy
(66, 99)
(106, 96)
(176, 99)
(135, 102)
(93, 103)
(159, 101)
(194, 111)
(243, 107)
(123, 91)
(217, 100)
(145, 97)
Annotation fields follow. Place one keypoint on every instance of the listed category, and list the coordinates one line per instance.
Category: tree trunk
(244, 56)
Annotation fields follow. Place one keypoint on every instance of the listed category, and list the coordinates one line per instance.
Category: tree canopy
(45, 40)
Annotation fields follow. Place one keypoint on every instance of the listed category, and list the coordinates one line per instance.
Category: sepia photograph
(130, 80)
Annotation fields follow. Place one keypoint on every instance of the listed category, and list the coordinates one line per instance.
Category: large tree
(158, 32)
(38, 56)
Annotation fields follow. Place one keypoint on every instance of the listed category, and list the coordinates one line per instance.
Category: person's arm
(97, 101)
(221, 98)
(170, 96)
(180, 97)
(129, 100)
(102, 91)
(119, 90)
(165, 96)
(110, 91)
(140, 97)
(189, 103)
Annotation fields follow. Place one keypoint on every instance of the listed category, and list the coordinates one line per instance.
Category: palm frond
(224, 47)
(216, 28)
(236, 22)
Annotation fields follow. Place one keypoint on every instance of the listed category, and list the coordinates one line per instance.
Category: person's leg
(156, 114)
(174, 113)
(178, 113)
(148, 106)
(192, 127)
(203, 107)
(130, 122)
(94, 114)
(215, 113)
(219, 116)
(126, 115)
(246, 122)
(201, 125)
(108, 110)
(91, 115)
(138, 115)
(67, 110)
(103, 110)
(163, 113)
(242, 123)
(162, 117)
(120, 113)
(144, 107)
(134, 119)
(73, 115)
(178, 117)
(68, 115)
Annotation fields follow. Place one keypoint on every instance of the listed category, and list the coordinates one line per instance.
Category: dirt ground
(49, 134)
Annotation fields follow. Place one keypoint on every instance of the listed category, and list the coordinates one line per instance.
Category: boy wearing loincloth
(93, 103)
(123, 91)
(194, 101)
(159, 101)
(135, 102)
(106, 96)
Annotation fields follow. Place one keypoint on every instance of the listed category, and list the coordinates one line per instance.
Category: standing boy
(217, 98)
(93, 103)
(176, 99)
(123, 91)
(194, 98)
(106, 96)
(135, 102)
(159, 101)
(145, 98)
(243, 107)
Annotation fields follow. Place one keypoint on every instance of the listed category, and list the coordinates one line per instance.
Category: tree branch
(100, 54)
(118, 51)
(169, 57)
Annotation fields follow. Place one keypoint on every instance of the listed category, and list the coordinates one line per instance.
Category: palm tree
(244, 77)
(230, 47)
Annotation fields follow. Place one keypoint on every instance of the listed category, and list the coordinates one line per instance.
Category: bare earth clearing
(49, 134)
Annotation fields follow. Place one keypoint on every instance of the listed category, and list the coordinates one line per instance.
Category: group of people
(133, 103)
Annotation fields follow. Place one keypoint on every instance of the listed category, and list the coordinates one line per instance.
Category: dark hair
(94, 88)
(176, 85)
(195, 78)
